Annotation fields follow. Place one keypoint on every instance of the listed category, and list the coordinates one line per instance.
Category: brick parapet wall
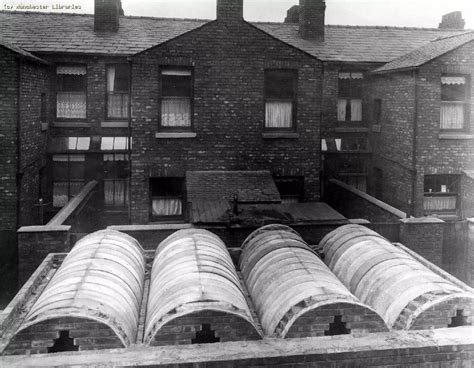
(229, 110)
(425, 236)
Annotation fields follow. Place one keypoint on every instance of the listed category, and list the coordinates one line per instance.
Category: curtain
(341, 109)
(60, 194)
(442, 203)
(176, 112)
(71, 69)
(279, 114)
(356, 110)
(111, 79)
(117, 105)
(167, 207)
(452, 116)
(115, 192)
(71, 105)
(453, 80)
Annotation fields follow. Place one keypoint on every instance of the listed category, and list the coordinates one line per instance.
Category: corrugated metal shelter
(402, 290)
(93, 298)
(295, 293)
(195, 293)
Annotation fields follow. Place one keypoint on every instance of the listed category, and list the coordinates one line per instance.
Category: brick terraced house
(146, 106)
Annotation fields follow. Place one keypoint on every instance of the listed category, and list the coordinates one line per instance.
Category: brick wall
(226, 327)
(393, 145)
(9, 116)
(229, 110)
(87, 335)
(319, 322)
(467, 195)
(34, 82)
(425, 236)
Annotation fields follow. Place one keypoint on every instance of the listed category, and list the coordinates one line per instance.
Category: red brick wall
(87, 335)
(356, 318)
(229, 112)
(227, 327)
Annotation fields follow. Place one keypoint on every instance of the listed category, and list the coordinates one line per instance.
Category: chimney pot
(293, 14)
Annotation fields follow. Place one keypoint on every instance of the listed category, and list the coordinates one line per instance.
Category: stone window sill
(71, 124)
(279, 135)
(175, 135)
(463, 136)
(114, 124)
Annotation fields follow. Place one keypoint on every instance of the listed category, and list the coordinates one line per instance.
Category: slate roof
(427, 52)
(21, 52)
(56, 32)
(249, 186)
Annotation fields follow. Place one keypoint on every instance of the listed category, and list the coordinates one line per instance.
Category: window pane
(83, 143)
(71, 105)
(60, 194)
(117, 105)
(453, 92)
(356, 110)
(341, 109)
(444, 203)
(121, 78)
(120, 144)
(176, 85)
(279, 114)
(107, 144)
(71, 83)
(166, 187)
(280, 84)
(176, 112)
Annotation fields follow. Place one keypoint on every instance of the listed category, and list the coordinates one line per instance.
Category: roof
(73, 33)
(428, 52)
(249, 186)
(21, 52)
(357, 43)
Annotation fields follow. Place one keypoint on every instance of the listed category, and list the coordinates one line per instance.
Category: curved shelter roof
(397, 286)
(101, 280)
(193, 272)
(286, 280)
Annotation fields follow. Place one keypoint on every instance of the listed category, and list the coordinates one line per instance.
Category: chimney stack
(293, 14)
(452, 21)
(106, 15)
(312, 19)
(230, 9)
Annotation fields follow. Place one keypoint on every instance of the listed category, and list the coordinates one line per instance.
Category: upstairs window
(176, 98)
(71, 100)
(441, 193)
(454, 102)
(117, 91)
(167, 198)
(349, 102)
(116, 188)
(280, 99)
(68, 177)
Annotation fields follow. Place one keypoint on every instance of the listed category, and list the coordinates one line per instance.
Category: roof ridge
(453, 36)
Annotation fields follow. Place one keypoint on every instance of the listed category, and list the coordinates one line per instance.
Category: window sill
(351, 130)
(71, 124)
(114, 124)
(278, 135)
(463, 136)
(175, 135)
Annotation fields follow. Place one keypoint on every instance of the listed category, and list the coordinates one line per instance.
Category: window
(166, 198)
(114, 143)
(71, 92)
(280, 99)
(116, 184)
(68, 174)
(377, 111)
(176, 98)
(349, 103)
(454, 102)
(291, 189)
(441, 193)
(117, 91)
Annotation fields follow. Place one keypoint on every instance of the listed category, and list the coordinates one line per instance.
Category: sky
(407, 13)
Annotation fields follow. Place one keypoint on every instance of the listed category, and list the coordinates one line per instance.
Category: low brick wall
(353, 203)
(453, 347)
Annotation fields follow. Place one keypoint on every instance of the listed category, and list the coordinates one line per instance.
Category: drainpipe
(415, 146)
(129, 59)
(322, 174)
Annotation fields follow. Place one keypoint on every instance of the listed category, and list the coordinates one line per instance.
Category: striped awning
(71, 69)
(351, 76)
(453, 80)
